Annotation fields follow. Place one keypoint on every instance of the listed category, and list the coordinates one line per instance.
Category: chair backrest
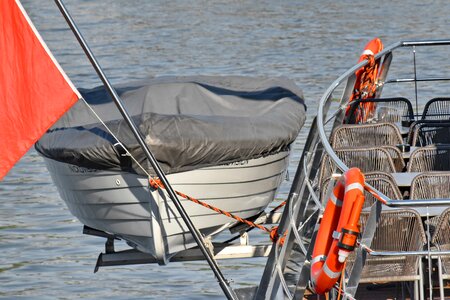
(397, 157)
(430, 158)
(437, 109)
(383, 182)
(387, 159)
(386, 110)
(368, 159)
(419, 123)
(431, 185)
(378, 134)
(397, 230)
(430, 133)
(441, 237)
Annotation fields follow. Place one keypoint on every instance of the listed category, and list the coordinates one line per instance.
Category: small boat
(223, 140)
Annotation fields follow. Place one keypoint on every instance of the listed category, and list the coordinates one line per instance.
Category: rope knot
(155, 183)
(275, 237)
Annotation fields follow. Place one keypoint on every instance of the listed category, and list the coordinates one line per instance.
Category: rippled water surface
(43, 253)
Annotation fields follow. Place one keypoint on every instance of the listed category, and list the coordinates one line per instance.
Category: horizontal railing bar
(421, 202)
(407, 80)
(408, 253)
(425, 43)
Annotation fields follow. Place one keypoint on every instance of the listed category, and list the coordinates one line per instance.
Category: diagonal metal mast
(230, 294)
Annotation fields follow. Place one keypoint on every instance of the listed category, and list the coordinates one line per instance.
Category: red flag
(34, 90)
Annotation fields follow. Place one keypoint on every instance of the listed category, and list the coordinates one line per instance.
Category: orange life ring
(366, 78)
(338, 231)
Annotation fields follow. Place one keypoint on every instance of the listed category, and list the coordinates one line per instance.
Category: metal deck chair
(378, 134)
(382, 181)
(441, 240)
(437, 109)
(426, 134)
(393, 110)
(430, 158)
(397, 230)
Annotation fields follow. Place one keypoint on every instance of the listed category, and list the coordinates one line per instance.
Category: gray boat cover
(188, 123)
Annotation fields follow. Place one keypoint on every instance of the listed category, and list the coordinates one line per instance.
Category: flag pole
(195, 233)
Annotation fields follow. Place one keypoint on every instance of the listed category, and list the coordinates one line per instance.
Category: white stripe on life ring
(318, 258)
(335, 200)
(367, 52)
(354, 186)
(330, 273)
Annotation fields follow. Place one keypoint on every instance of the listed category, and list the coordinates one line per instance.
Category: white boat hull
(123, 204)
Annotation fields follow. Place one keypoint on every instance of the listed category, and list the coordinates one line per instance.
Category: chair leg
(441, 281)
(421, 283)
(416, 289)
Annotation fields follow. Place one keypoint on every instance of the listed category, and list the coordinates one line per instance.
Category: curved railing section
(287, 271)
(325, 119)
(348, 78)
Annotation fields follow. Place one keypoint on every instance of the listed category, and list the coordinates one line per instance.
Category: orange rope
(367, 88)
(156, 184)
(278, 207)
(375, 195)
(341, 281)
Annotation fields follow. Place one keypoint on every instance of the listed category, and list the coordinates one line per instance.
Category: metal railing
(348, 77)
(303, 209)
(385, 55)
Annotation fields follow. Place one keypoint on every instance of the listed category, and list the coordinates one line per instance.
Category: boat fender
(338, 231)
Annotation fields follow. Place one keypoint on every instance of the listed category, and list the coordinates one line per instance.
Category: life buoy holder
(366, 80)
(338, 231)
